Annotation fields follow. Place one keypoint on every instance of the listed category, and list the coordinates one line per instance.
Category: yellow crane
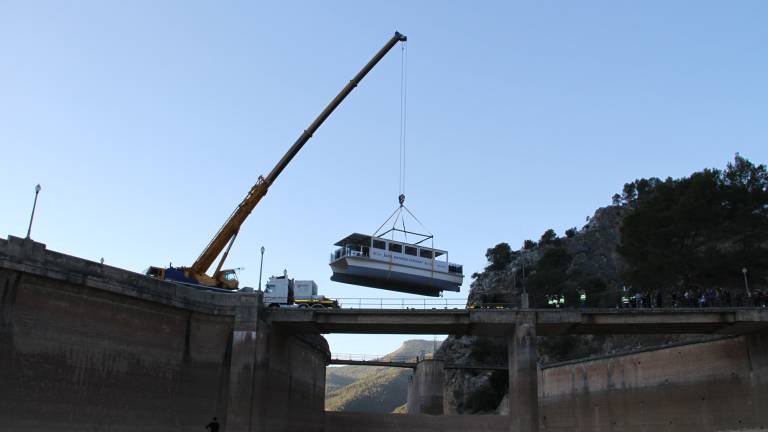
(225, 237)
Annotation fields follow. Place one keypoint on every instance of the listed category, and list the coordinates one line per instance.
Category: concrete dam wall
(713, 386)
(88, 347)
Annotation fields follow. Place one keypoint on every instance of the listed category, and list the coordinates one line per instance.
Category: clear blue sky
(146, 122)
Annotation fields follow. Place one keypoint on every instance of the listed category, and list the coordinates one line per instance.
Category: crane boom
(225, 236)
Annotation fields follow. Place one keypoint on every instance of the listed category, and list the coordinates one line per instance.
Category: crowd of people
(678, 298)
(558, 300)
(691, 297)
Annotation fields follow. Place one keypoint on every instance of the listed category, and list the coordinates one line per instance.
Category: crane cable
(403, 128)
(403, 114)
(398, 213)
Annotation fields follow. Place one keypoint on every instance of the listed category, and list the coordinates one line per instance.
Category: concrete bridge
(384, 363)
(412, 363)
(85, 346)
(501, 322)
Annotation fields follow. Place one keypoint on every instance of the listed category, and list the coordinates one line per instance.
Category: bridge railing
(379, 358)
(569, 300)
(401, 303)
(400, 361)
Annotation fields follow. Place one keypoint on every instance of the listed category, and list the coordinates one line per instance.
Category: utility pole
(32, 217)
(261, 266)
(746, 284)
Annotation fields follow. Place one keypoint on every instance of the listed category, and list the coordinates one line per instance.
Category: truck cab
(281, 291)
(278, 291)
(228, 279)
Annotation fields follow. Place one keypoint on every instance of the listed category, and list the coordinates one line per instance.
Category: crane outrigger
(225, 237)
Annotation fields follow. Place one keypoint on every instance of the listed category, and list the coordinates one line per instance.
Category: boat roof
(364, 239)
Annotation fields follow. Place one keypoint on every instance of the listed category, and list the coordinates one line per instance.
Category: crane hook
(401, 198)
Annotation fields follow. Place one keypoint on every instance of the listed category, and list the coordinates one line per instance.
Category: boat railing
(349, 251)
(362, 251)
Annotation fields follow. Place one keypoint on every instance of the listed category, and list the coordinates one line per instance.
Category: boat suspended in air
(379, 262)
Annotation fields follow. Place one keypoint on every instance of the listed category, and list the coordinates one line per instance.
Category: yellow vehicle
(225, 237)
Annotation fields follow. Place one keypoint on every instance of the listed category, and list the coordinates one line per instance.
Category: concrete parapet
(32, 258)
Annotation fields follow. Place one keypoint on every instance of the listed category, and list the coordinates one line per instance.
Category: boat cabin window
(396, 247)
(410, 250)
(378, 244)
(426, 253)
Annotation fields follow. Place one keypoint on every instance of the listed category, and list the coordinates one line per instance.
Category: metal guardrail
(401, 303)
(379, 358)
(404, 361)
(541, 301)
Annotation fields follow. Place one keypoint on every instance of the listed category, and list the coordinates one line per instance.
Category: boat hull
(383, 275)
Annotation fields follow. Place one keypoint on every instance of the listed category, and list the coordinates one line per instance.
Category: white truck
(280, 291)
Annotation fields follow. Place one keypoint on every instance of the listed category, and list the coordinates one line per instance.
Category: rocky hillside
(584, 259)
(373, 389)
(659, 238)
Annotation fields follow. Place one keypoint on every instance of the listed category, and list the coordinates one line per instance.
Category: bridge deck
(499, 322)
(412, 365)
(399, 364)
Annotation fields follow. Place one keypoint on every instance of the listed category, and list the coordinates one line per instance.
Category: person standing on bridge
(625, 301)
(213, 426)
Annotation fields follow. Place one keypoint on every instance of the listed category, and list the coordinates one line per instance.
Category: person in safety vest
(624, 301)
(562, 300)
(583, 297)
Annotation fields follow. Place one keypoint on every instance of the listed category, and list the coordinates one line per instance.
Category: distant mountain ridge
(373, 388)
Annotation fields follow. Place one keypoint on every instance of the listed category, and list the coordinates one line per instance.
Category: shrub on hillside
(499, 256)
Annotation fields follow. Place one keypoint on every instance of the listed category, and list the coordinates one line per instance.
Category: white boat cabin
(393, 265)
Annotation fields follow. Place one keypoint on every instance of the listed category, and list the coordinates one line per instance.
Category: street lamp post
(746, 284)
(32, 216)
(261, 266)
